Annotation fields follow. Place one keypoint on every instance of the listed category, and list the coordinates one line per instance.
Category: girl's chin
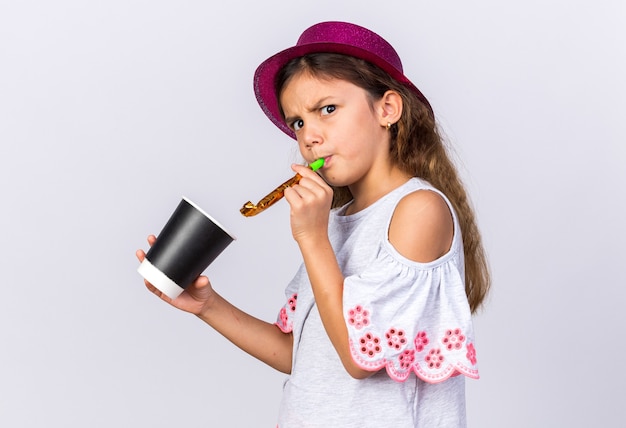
(335, 181)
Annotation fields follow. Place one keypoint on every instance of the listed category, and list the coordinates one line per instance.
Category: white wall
(111, 111)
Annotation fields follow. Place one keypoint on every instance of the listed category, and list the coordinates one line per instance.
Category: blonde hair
(416, 147)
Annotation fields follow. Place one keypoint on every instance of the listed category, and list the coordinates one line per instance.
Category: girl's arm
(310, 202)
(262, 340)
(327, 283)
(258, 338)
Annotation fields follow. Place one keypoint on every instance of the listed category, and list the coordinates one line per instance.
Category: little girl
(376, 330)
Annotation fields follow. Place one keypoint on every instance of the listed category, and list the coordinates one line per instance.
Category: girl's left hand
(310, 201)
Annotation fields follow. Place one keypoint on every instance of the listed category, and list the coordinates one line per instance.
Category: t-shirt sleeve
(284, 320)
(410, 317)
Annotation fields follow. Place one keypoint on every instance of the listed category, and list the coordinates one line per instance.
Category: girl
(377, 326)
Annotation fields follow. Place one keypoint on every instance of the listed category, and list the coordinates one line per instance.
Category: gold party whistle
(249, 209)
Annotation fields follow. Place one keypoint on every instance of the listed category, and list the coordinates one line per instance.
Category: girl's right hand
(309, 201)
(195, 299)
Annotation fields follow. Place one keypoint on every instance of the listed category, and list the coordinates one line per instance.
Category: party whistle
(249, 209)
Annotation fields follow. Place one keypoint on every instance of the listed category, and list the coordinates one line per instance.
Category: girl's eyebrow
(290, 119)
(318, 105)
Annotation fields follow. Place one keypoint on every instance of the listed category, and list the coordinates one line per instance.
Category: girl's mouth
(327, 161)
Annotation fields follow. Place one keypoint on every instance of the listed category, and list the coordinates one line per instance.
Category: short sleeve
(410, 317)
(286, 314)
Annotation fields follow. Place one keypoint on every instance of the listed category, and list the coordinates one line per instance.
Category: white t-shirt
(410, 318)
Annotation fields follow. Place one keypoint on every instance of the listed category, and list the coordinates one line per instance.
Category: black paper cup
(187, 245)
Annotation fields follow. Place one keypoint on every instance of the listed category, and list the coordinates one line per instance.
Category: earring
(388, 126)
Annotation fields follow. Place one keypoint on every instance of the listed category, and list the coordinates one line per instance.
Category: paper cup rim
(213, 220)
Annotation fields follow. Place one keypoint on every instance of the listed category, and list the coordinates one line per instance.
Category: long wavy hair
(416, 147)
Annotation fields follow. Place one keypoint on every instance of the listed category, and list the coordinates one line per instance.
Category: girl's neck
(372, 188)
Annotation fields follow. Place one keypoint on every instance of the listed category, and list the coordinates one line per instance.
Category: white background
(110, 111)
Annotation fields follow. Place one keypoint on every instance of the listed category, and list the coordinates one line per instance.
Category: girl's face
(336, 120)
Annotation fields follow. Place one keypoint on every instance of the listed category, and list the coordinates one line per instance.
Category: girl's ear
(390, 108)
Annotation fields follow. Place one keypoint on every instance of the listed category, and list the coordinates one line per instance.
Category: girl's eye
(328, 109)
(296, 125)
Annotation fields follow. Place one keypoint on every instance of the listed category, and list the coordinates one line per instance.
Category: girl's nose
(311, 136)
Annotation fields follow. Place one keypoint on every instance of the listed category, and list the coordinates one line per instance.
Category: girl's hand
(196, 297)
(310, 201)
